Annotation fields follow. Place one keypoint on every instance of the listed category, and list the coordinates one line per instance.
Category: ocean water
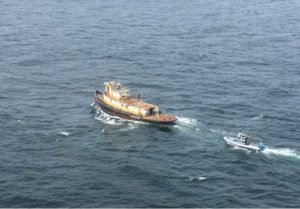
(219, 66)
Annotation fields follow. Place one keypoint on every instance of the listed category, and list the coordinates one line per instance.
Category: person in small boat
(247, 140)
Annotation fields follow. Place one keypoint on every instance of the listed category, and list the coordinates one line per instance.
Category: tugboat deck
(135, 102)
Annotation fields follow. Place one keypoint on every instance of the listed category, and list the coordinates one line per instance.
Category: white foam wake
(200, 178)
(247, 151)
(107, 119)
(284, 152)
(222, 132)
(258, 117)
(125, 125)
(65, 133)
(130, 126)
(188, 126)
(190, 122)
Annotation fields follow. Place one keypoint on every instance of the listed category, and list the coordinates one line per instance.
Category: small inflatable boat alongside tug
(243, 140)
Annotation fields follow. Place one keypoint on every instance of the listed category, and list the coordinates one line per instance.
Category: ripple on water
(30, 202)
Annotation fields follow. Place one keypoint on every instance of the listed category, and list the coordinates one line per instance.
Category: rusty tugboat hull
(116, 101)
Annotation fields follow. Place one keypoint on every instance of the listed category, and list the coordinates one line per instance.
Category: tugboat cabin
(118, 97)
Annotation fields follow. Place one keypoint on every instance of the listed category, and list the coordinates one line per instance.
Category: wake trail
(189, 126)
(274, 152)
(282, 152)
(187, 122)
(122, 124)
(107, 119)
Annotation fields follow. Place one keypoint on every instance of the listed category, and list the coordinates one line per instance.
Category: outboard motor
(261, 147)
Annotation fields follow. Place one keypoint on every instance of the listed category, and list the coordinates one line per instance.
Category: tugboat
(243, 140)
(117, 101)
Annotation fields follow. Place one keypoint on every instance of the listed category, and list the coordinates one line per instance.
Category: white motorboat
(243, 140)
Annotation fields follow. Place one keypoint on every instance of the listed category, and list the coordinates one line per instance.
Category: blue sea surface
(219, 66)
